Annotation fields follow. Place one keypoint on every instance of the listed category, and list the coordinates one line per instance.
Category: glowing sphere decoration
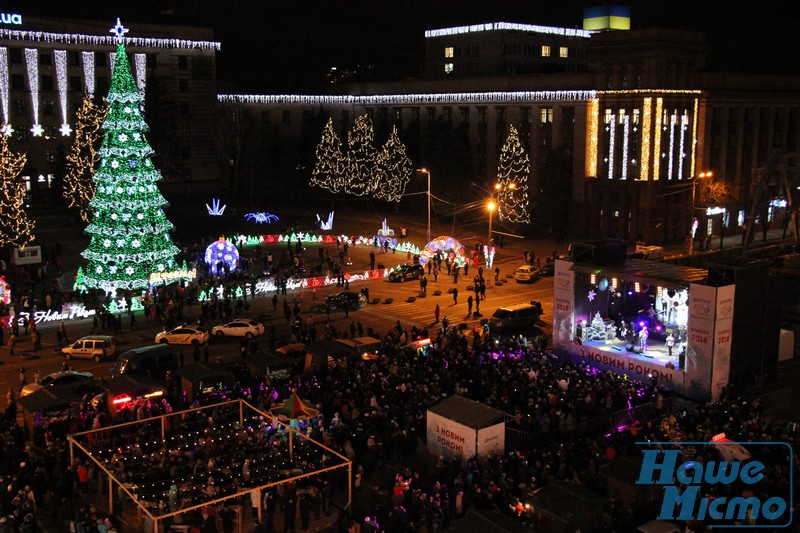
(221, 253)
(446, 245)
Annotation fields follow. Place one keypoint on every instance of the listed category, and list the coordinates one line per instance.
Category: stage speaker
(629, 348)
(637, 349)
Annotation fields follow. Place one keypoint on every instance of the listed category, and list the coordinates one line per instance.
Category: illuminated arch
(445, 244)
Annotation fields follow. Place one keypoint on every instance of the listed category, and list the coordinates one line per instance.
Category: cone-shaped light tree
(328, 170)
(393, 169)
(129, 231)
(361, 158)
(79, 185)
(15, 226)
(512, 172)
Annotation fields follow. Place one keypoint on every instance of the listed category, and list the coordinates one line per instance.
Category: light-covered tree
(513, 170)
(79, 187)
(15, 226)
(361, 158)
(394, 169)
(328, 170)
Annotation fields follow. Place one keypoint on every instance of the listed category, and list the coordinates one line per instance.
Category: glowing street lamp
(702, 175)
(427, 172)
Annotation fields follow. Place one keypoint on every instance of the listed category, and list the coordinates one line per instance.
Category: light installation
(647, 117)
(32, 63)
(328, 170)
(325, 224)
(513, 169)
(221, 254)
(15, 226)
(129, 230)
(88, 72)
(261, 217)
(61, 81)
(215, 210)
(508, 26)
(612, 135)
(79, 186)
(141, 73)
(592, 136)
(447, 246)
(4, 89)
(625, 138)
(103, 40)
(657, 140)
(394, 169)
(361, 158)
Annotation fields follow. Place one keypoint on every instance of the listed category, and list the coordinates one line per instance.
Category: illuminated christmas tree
(512, 171)
(328, 171)
(79, 187)
(361, 158)
(129, 230)
(393, 169)
(15, 226)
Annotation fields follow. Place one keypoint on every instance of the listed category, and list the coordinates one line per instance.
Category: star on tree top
(119, 31)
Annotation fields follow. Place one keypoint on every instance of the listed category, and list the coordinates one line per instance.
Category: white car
(526, 274)
(194, 335)
(241, 327)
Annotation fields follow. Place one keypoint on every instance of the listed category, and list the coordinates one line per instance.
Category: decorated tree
(596, 331)
(129, 230)
(328, 171)
(361, 158)
(393, 169)
(15, 226)
(512, 171)
(79, 187)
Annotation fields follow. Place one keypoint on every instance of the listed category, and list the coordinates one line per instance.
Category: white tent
(459, 426)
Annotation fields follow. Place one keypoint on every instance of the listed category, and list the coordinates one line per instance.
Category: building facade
(632, 119)
(47, 65)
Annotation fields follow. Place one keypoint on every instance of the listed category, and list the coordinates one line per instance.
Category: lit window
(448, 52)
(563, 52)
(545, 51)
(621, 116)
(546, 115)
(608, 117)
(448, 68)
(635, 116)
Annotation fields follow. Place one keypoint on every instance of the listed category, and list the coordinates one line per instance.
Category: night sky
(288, 46)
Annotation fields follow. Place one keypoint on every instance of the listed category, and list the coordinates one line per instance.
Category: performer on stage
(643, 334)
(670, 343)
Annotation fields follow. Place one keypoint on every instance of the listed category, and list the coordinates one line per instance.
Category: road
(380, 317)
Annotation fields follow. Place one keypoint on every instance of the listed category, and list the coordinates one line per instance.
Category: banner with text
(492, 440)
(700, 341)
(563, 305)
(448, 438)
(723, 337)
(607, 358)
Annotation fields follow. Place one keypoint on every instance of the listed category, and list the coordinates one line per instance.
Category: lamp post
(428, 173)
(702, 175)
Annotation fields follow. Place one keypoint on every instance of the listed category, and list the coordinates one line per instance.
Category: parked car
(184, 335)
(407, 272)
(548, 269)
(526, 274)
(515, 316)
(97, 347)
(241, 327)
(346, 299)
(57, 379)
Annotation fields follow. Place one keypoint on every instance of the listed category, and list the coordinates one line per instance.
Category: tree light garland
(79, 187)
(513, 170)
(127, 205)
(394, 169)
(361, 158)
(15, 226)
(328, 170)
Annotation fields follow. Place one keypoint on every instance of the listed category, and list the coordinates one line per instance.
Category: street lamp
(702, 175)
(428, 173)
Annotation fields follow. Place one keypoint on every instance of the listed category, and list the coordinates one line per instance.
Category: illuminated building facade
(47, 64)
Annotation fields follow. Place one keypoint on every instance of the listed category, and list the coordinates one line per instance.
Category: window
(545, 50)
(75, 83)
(501, 114)
(17, 82)
(183, 86)
(287, 116)
(100, 59)
(448, 68)
(448, 114)
(47, 83)
(398, 114)
(608, 117)
(415, 114)
(345, 117)
(183, 63)
(22, 134)
(152, 61)
(482, 115)
(563, 52)
(264, 116)
(15, 55)
(621, 116)
(45, 59)
(635, 116)
(73, 59)
(51, 132)
(49, 108)
(448, 52)
(431, 114)
(19, 108)
(101, 85)
(464, 114)
(51, 156)
(546, 115)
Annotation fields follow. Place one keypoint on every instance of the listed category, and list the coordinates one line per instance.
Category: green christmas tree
(129, 230)
(512, 171)
(393, 169)
(361, 158)
(328, 172)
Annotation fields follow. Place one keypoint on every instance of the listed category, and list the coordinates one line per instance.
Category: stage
(656, 354)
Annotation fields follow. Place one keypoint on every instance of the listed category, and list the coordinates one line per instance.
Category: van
(526, 274)
(154, 361)
(97, 347)
(515, 316)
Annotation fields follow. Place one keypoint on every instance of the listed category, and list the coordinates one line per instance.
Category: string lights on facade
(4, 85)
(32, 64)
(657, 140)
(61, 81)
(102, 40)
(625, 138)
(647, 119)
(508, 26)
(88, 72)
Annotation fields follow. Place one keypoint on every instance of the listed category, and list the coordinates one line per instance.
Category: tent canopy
(293, 408)
(467, 412)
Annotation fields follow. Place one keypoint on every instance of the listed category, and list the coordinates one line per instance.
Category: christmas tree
(361, 158)
(597, 329)
(129, 230)
(512, 171)
(79, 187)
(15, 226)
(328, 171)
(393, 169)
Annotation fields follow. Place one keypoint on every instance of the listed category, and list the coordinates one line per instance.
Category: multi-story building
(46, 66)
(618, 124)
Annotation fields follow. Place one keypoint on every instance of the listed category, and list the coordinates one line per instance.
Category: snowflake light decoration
(65, 130)
(592, 295)
(37, 130)
(261, 217)
(215, 210)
